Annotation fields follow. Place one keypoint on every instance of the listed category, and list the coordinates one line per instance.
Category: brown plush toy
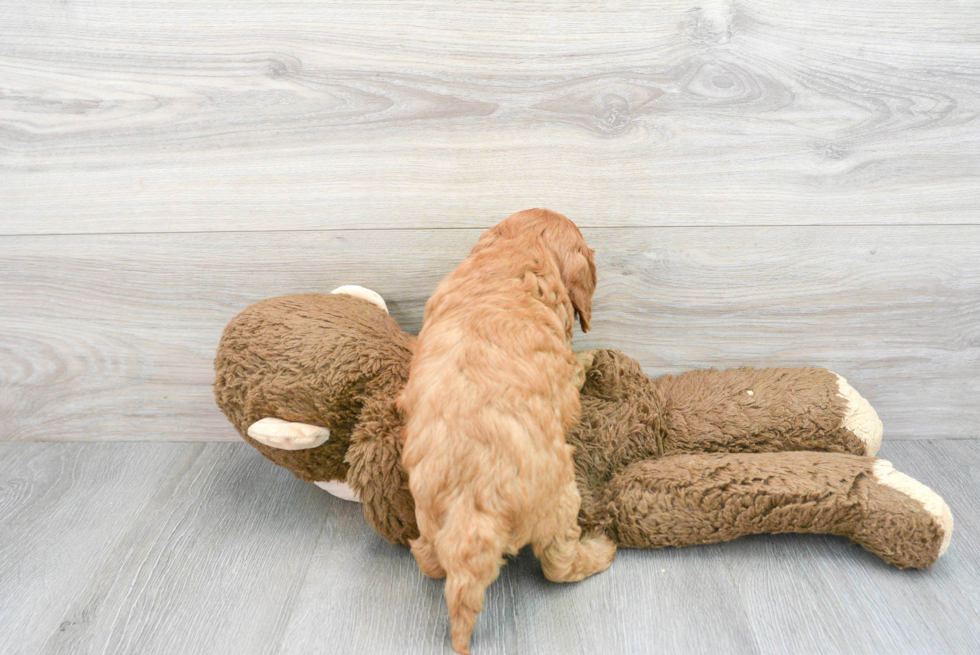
(706, 456)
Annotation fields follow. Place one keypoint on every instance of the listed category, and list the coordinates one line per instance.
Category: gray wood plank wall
(765, 183)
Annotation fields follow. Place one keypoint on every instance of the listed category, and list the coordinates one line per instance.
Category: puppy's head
(562, 239)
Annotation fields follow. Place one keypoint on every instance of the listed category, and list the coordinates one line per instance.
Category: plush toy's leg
(286, 435)
(365, 294)
(683, 500)
(766, 410)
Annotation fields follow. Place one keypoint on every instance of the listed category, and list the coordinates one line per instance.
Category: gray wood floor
(208, 548)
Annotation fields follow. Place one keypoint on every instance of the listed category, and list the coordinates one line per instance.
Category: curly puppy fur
(492, 390)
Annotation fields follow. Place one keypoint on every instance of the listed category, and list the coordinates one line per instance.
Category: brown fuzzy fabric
(682, 500)
(628, 418)
(377, 474)
(674, 461)
(311, 358)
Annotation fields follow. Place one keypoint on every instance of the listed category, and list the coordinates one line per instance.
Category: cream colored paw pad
(286, 435)
(339, 489)
(364, 294)
(886, 474)
(860, 417)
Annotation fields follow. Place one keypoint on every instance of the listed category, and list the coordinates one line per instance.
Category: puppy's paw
(286, 435)
(585, 358)
(597, 553)
(576, 560)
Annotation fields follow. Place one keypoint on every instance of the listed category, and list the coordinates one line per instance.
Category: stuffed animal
(707, 456)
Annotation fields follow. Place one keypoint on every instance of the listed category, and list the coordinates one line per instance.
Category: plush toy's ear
(365, 294)
(579, 276)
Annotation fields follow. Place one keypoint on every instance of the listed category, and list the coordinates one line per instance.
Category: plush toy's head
(314, 359)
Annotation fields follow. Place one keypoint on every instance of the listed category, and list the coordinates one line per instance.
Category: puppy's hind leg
(423, 548)
(471, 550)
(565, 556)
(425, 555)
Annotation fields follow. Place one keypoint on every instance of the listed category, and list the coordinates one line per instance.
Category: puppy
(492, 389)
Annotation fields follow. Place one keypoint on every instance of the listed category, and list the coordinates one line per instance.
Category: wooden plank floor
(194, 548)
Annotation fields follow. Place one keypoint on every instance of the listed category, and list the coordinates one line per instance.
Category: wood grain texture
(63, 511)
(213, 564)
(112, 337)
(190, 116)
(363, 595)
(216, 550)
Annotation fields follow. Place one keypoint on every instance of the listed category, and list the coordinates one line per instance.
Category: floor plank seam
(299, 588)
(671, 226)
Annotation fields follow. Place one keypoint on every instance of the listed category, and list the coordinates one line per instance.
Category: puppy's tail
(471, 548)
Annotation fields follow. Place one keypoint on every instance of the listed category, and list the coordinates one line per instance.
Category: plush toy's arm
(683, 500)
(739, 410)
(766, 410)
(375, 471)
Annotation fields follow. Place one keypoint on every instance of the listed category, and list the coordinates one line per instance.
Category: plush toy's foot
(339, 489)
(860, 417)
(898, 490)
(364, 294)
(286, 435)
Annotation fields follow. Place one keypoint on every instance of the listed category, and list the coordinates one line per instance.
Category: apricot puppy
(492, 389)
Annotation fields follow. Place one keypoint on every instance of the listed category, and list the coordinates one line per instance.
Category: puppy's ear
(579, 276)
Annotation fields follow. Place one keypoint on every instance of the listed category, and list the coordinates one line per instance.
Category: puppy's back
(491, 393)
